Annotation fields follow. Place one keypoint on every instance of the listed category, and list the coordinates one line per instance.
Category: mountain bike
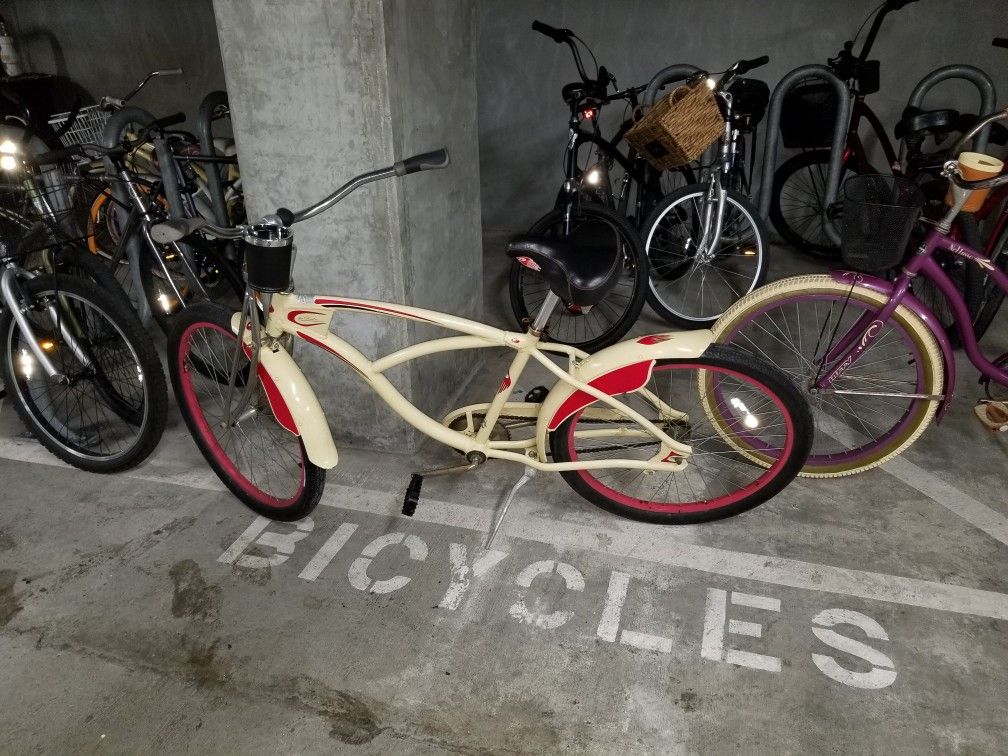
(874, 362)
(705, 242)
(587, 214)
(663, 428)
(807, 119)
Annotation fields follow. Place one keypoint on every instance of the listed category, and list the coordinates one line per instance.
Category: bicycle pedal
(993, 415)
(537, 395)
(412, 495)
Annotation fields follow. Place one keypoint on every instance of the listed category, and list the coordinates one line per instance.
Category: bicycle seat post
(542, 317)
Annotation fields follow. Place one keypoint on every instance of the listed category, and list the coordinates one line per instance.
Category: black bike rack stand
(666, 76)
(112, 136)
(979, 79)
(204, 127)
(772, 139)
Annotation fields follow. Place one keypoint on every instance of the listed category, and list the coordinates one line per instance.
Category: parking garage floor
(151, 611)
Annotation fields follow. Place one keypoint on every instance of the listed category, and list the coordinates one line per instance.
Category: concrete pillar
(322, 90)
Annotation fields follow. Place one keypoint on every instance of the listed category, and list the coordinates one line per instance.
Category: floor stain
(688, 701)
(204, 667)
(193, 597)
(351, 718)
(9, 605)
(6, 541)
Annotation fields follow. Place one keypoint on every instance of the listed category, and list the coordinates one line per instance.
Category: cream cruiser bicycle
(665, 428)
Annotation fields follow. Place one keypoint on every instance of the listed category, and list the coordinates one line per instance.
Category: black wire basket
(879, 213)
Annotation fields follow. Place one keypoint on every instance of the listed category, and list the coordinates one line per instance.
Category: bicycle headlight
(8, 150)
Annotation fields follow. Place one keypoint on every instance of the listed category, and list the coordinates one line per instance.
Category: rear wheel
(609, 320)
(261, 462)
(798, 201)
(748, 426)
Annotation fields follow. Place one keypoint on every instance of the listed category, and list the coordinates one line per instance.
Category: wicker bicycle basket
(679, 127)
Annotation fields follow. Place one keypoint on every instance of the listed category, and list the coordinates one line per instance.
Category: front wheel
(748, 425)
(609, 320)
(109, 411)
(692, 281)
(261, 462)
(883, 401)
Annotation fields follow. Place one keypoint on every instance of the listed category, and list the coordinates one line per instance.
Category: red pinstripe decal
(341, 304)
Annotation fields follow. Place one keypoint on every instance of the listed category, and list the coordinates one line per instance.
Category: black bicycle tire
(746, 363)
(631, 241)
(128, 324)
(789, 167)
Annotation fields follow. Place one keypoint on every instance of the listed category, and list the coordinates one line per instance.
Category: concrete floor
(151, 611)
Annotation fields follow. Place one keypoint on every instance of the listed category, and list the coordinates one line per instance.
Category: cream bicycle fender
(294, 403)
(625, 366)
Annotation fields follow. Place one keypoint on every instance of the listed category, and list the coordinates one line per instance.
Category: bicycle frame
(589, 378)
(865, 331)
(854, 150)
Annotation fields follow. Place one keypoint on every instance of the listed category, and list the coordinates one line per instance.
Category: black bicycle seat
(750, 98)
(579, 273)
(915, 121)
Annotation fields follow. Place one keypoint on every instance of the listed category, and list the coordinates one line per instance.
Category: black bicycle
(589, 214)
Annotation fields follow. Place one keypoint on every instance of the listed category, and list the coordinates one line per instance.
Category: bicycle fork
(14, 300)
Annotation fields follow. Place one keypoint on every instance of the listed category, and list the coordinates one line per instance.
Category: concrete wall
(109, 46)
(523, 121)
(322, 91)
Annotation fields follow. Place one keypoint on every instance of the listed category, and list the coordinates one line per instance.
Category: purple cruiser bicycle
(875, 363)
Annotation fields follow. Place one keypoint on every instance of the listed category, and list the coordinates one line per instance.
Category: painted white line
(328, 551)
(632, 541)
(608, 628)
(961, 504)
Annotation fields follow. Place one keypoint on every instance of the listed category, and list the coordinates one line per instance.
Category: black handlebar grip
(286, 216)
(172, 120)
(749, 65)
(1000, 42)
(425, 162)
(557, 35)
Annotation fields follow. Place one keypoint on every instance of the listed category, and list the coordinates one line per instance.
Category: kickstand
(525, 478)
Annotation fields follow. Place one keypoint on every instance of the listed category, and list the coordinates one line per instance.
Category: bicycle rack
(983, 83)
(112, 136)
(204, 129)
(772, 139)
